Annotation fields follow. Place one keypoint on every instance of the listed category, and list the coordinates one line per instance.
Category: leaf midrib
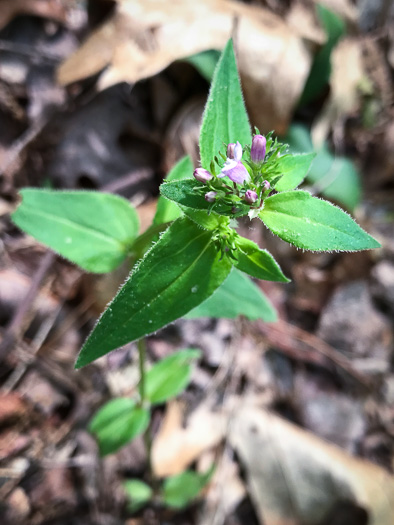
(86, 229)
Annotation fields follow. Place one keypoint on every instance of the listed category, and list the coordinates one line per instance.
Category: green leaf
(225, 118)
(94, 230)
(313, 224)
(144, 241)
(209, 221)
(334, 177)
(294, 169)
(170, 376)
(320, 72)
(205, 62)
(238, 295)
(182, 489)
(257, 262)
(166, 210)
(181, 270)
(117, 423)
(138, 492)
(183, 192)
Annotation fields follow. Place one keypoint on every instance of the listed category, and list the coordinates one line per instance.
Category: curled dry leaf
(145, 36)
(176, 446)
(346, 79)
(295, 478)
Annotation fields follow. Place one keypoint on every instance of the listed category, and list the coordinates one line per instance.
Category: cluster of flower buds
(245, 176)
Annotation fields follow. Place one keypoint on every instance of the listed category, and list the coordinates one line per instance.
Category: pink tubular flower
(230, 150)
(210, 196)
(202, 175)
(233, 167)
(266, 185)
(250, 196)
(257, 151)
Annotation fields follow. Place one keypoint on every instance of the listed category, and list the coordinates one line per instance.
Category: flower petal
(238, 174)
(238, 152)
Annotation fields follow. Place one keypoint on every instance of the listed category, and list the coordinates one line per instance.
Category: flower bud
(266, 185)
(257, 151)
(250, 196)
(202, 175)
(230, 150)
(210, 196)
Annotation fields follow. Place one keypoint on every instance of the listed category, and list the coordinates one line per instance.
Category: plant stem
(141, 344)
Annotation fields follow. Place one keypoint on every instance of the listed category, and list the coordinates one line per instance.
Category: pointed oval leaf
(138, 493)
(94, 230)
(256, 262)
(225, 118)
(238, 295)
(170, 376)
(166, 210)
(181, 489)
(117, 423)
(294, 169)
(313, 224)
(181, 270)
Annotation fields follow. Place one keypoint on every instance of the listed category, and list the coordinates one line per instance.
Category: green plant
(191, 261)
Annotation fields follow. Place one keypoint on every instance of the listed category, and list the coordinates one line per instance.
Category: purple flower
(233, 167)
(202, 175)
(257, 151)
(266, 185)
(250, 196)
(210, 196)
(230, 150)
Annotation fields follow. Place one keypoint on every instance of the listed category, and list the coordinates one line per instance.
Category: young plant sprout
(190, 254)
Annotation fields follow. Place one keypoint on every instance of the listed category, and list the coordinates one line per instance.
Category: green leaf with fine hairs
(313, 224)
(294, 169)
(238, 295)
(92, 229)
(225, 118)
(170, 376)
(166, 210)
(256, 262)
(180, 490)
(184, 193)
(138, 494)
(181, 270)
(117, 423)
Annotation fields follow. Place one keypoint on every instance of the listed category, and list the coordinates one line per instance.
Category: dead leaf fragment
(346, 78)
(175, 446)
(296, 478)
(145, 36)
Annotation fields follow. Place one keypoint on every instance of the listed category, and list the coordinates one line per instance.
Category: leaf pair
(121, 420)
(176, 491)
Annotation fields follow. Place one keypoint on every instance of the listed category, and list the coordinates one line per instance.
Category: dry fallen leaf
(346, 78)
(145, 36)
(176, 447)
(295, 478)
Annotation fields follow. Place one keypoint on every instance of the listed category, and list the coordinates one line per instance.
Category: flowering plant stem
(141, 345)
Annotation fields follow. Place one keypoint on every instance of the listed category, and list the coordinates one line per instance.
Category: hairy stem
(141, 344)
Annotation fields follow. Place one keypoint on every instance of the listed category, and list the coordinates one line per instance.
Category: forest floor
(293, 412)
